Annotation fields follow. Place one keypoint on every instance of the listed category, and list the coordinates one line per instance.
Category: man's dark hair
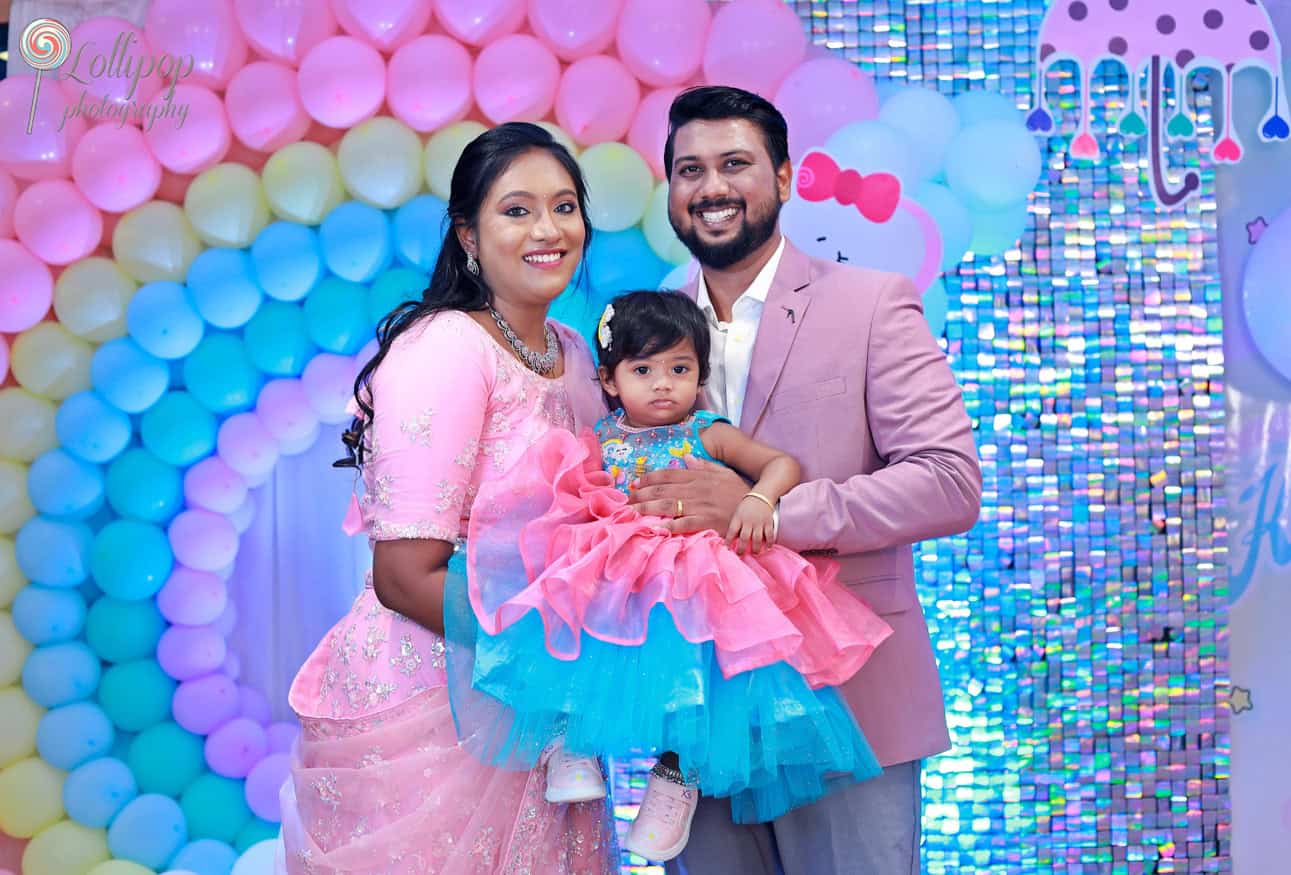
(716, 102)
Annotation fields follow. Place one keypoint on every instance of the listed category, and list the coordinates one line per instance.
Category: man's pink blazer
(847, 378)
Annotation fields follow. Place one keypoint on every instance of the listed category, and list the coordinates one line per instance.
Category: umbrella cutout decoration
(1154, 35)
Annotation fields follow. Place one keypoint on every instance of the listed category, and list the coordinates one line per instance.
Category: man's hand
(709, 494)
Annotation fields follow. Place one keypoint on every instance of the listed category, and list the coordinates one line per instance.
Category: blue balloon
(44, 615)
(54, 552)
(621, 261)
(953, 220)
(577, 308)
(997, 231)
(62, 485)
(206, 857)
(223, 286)
(927, 118)
(288, 260)
(356, 242)
(393, 288)
(935, 304)
(276, 339)
(419, 228)
(871, 146)
(73, 734)
(149, 831)
(993, 165)
(131, 560)
(336, 316)
(121, 631)
(178, 430)
(127, 377)
(984, 106)
(59, 674)
(220, 375)
(90, 428)
(95, 792)
(140, 486)
(163, 320)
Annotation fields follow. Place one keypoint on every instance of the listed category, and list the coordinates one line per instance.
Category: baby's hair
(644, 323)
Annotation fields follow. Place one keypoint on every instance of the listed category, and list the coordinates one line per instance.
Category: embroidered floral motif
(469, 453)
(379, 493)
(407, 660)
(450, 496)
(372, 646)
(418, 430)
(384, 531)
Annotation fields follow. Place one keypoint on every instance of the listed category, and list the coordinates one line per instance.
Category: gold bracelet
(762, 498)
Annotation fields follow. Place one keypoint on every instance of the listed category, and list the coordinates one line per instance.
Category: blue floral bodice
(627, 452)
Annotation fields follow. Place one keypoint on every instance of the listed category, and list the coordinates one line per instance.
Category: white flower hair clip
(603, 334)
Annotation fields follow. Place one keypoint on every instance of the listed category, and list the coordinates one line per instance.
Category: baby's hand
(752, 526)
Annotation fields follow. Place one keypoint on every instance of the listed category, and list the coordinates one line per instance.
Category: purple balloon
(253, 705)
(203, 540)
(328, 382)
(187, 652)
(235, 747)
(192, 598)
(282, 736)
(248, 447)
(227, 620)
(284, 409)
(212, 485)
(232, 665)
(264, 781)
(206, 703)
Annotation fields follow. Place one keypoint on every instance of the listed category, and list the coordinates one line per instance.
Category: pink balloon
(8, 196)
(479, 22)
(187, 652)
(208, 31)
(328, 382)
(282, 736)
(819, 97)
(46, 152)
(597, 100)
(193, 142)
(754, 45)
(203, 540)
(115, 169)
(662, 41)
(55, 221)
(212, 485)
(247, 446)
(263, 103)
(235, 747)
(206, 703)
(26, 288)
(516, 79)
(386, 24)
(125, 53)
(285, 30)
(342, 81)
(284, 409)
(263, 783)
(192, 598)
(439, 59)
(649, 131)
(254, 705)
(575, 29)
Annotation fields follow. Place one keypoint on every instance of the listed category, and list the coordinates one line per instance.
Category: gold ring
(680, 508)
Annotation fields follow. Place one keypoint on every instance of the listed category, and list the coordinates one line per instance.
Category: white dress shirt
(731, 354)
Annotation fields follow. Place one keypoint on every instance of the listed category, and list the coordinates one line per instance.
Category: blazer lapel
(783, 313)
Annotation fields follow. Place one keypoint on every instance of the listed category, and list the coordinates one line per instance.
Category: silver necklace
(542, 364)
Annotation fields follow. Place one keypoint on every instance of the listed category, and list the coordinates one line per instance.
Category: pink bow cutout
(876, 196)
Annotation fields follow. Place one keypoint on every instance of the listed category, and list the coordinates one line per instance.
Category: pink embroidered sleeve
(430, 397)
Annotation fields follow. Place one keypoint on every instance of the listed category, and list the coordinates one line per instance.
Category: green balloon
(276, 339)
(392, 288)
(121, 631)
(136, 695)
(215, 808)
(256, 831)
(131, 560)
(143, 487)
(336, 316)
(165, 759)
(178, 429)
(221, 375)
(121, 743)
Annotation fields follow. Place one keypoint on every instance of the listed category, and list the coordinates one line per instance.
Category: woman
(464, 381)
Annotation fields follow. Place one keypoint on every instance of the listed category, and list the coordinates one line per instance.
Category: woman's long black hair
(452, 286)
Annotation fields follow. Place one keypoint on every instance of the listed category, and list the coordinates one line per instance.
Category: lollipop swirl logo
(45, 45)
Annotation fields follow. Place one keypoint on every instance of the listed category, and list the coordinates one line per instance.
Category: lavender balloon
(206, 703)
(203, 540)
(192, 598)
(234, 748)
(212, 485)
(187, 652)
(263, 783)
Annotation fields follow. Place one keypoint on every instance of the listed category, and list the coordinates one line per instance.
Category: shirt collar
(757, 290)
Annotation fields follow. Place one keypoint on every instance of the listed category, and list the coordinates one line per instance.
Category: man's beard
(754, 231)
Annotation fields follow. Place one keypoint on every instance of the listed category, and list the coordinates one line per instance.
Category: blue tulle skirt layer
(763, 738)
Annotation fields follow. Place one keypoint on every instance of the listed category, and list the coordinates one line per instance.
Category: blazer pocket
(885, 595)
(793, 396)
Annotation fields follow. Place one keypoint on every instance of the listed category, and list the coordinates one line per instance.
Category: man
(836, 366)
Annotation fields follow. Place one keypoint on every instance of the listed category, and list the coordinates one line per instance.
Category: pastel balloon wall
(182, 305)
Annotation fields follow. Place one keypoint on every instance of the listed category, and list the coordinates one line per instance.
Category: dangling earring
(471, 264)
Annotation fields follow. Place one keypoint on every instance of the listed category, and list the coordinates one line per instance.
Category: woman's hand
(752, 526)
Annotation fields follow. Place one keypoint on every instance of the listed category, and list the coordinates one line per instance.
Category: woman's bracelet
(762, 498)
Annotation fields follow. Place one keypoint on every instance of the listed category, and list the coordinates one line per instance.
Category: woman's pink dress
(380, 782)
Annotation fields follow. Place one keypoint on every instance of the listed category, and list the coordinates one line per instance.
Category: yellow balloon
(380, 162)
(13, 650)
(442, 151)
(619, 184)
(227, 205)
(26, 425)
(91, 297)
(11, 576)
(658, 230)
(119, 867)
(559, 135)
(50, 361)
(15, 506)
(66, 848)
(155, 242)
(19, 717)
(31, 797)
(303, 183)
